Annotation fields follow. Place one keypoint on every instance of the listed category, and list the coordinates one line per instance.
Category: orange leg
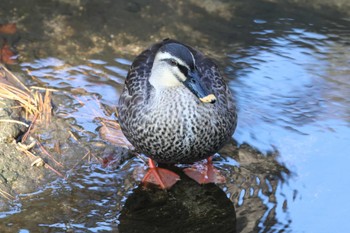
(160, 176)
(205, 173)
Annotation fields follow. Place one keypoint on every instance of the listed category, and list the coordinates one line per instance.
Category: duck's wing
(136, 86)
(212, 79)
(214, 82)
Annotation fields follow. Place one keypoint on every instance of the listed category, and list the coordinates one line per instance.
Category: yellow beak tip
(208, 99)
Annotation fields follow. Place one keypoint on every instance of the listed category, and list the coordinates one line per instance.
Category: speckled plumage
(175, 127)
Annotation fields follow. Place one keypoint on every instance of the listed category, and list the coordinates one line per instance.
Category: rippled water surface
(289, 68)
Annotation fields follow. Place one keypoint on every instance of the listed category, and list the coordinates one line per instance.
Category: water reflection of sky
(322, 182)
(286, 101)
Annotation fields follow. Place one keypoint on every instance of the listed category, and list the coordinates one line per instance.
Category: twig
(86, 154)
(72, 135)
(14, 121)
(48, 154)
(6, 195)
(24, 138)
(14, 77)
(54, 170)
(44, 88)
(46, 165)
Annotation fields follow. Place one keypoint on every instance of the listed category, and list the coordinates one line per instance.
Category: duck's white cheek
(181, 77)
(163, 77)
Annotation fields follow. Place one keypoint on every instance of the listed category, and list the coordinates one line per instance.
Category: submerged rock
(187, 207)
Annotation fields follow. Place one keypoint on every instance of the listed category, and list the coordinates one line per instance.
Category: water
(288, 66)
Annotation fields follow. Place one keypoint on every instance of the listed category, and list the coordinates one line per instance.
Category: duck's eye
(173, 62)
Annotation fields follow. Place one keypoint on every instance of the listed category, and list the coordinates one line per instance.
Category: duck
(176, 108)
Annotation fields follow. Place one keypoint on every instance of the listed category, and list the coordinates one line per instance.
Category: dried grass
(6, 195)
(33, 102)
(36, 104)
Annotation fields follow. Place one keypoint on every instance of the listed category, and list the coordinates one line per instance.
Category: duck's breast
(180, 129)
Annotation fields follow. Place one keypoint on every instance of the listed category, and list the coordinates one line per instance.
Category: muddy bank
(34, 153)
(322, 6)
(77, 30)
(61, 155)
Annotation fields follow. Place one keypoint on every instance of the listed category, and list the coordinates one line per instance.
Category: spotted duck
(176, 108)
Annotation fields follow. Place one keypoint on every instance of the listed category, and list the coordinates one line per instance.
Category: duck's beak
(194, 84)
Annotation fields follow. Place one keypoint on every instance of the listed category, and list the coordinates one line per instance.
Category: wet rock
(133, 7)
(325, 6)
(52, 150)
(17, 175)
(9, 130)
(187, 207)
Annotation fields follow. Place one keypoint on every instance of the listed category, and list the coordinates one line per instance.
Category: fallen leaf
(8, 28)
(6, 54)
(111, 131)
(110, 160)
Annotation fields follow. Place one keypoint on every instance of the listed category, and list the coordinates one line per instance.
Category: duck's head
(174, 65)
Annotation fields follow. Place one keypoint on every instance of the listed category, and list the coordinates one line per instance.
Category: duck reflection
(186, 207)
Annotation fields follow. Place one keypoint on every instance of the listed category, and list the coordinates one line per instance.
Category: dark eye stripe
(183, 69)
(173, 62)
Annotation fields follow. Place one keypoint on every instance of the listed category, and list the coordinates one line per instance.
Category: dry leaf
(6, 54)
(111, 131)
(8, 28)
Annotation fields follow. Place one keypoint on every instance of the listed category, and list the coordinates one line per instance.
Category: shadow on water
(187, 207)
(288, 64)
